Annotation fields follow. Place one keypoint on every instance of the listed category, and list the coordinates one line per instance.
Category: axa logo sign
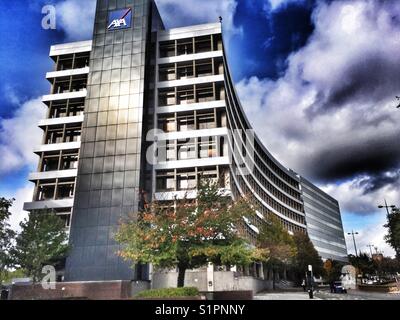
(120, 19)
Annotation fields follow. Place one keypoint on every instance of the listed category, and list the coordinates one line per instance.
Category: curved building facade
(143, 113)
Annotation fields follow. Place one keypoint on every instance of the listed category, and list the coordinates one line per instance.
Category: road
(326, 295)
(358, 295)
(284, 295)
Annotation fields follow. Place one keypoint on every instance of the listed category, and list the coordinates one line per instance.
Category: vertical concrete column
(210, 277)
(261, 271)
(254, 267)
(246, 271)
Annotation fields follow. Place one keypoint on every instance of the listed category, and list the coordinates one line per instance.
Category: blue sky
(300, 71)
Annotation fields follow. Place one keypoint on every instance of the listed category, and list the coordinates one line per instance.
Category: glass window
(61, 85)
(202, 44)
(65, 62)
(69, 162)
(206, 120)
(165, 181)
(185, 70)
(166, 97)
(167, 72)
(58, 110)
(186, 149)
(72, 134)
(205, 92)
(167, 124)
(186, 181)
(166, 151)
(185, 46)
(50, 162)
(54, 135)
(46, 191)
(204, 68)
(186, 122)
(208, 148)
(76, 108)
(167, 49)
(65, 190)
(185, 95)
(81, 60)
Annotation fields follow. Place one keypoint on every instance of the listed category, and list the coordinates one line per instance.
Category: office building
(136, 82)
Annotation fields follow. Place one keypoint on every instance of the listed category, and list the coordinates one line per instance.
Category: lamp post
(354, 240)
(386, 206)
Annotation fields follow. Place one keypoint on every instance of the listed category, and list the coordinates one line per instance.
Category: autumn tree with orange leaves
(190, 234)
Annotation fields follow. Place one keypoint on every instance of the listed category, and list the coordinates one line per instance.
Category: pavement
(358, 295)
(326, 295)
(284, 295)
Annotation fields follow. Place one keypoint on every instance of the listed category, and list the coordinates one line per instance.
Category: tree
(280, 245)
(332, 270)
(189, 234)
(6, 237)
(43, 240)
(390, 267)
(306, 255)
(393, 236)
(363, 263)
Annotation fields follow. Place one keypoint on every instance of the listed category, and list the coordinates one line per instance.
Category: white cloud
(370, 234)
(332, 113)
(353, 198)
(178, 13)
(19, 135)
(331, 116)
(277, 4)
(21, 195)
(11, 95)
(76, 18)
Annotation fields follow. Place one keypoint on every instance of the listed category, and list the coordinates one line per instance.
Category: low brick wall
(107, 290)
(230, 295)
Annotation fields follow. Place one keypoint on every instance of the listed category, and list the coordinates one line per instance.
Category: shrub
(169, 293)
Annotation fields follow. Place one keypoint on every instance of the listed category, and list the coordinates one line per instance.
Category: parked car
(338, 287)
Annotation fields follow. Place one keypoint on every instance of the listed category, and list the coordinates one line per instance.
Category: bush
(169, 293)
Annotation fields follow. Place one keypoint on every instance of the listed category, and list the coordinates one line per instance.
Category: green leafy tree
(6, 237)
(384, 267)
(306, 255)
(390, 267)
(279, 244)
(363, 263)
(42, 241)
(190, 234)
(393, 226)
(10, 275)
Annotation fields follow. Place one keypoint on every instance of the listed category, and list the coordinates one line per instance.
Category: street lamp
(354, 240)
(386, 206)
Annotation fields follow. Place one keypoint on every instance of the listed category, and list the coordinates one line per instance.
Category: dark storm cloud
(331, 116)
(371, 77)
(361, 157)
(376, 182)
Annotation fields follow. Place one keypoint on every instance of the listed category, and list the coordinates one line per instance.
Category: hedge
(169, 293)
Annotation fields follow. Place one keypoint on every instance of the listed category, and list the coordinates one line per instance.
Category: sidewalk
(300, 295)
(358, 295)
